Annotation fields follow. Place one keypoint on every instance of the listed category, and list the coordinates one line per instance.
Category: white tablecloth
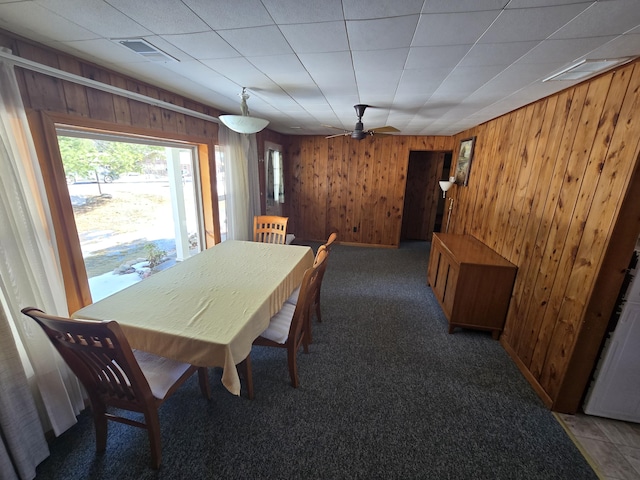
(208, 309)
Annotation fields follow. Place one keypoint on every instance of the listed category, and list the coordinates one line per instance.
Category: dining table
(209, 308)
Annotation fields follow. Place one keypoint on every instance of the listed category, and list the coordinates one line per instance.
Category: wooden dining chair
(287, 328)
(270, 229)
(293, 298)
(114, 375)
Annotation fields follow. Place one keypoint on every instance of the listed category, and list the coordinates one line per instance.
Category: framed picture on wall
(463, 165)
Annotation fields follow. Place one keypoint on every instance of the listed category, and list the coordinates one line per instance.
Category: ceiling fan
(359, 132)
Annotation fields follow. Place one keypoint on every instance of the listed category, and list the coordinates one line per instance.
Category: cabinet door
(449, 289)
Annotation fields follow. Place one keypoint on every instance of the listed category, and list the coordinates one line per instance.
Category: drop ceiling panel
(452, 28)
(308, 62)
(97, 16)
(496, 53)
(41, 24)
(441, 56)
(316, 37)
(375, 60)
(561, 50)
(229, 15)
(257, 41)
(602, 19)
(202, 45)
(304, 11)
(153, 14)
(382, 34)
(525, 24)
(447, 6)
(368, 9)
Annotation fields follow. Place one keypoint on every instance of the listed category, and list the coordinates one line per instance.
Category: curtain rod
(71, 77)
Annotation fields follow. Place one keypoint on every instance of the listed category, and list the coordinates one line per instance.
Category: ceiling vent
(587, 68)
(144, 48)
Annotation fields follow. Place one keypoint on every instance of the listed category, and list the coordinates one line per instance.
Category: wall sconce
(244, 123)
(446, 185)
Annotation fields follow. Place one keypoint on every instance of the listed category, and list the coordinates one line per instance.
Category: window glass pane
(136, 206)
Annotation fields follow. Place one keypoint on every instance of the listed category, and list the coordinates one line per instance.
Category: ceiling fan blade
(339, 135)
(385, 129)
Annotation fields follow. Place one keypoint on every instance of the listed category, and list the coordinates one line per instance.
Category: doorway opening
(423, 203)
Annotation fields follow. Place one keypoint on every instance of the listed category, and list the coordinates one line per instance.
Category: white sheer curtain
(29, 276)
(242, 184)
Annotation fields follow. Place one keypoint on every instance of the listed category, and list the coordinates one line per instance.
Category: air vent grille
(144, 48)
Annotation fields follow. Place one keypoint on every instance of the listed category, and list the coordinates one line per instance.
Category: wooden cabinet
(472, 283)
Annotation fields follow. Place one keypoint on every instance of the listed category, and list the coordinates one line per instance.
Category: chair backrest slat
(99, 354)
(270, 229)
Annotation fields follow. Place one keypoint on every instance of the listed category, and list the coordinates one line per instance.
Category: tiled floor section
(612, 447)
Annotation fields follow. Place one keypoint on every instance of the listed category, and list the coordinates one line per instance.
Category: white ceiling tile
(304, 11)
(257, 41)
(97, 16)
(374, 60)
(447, 6)
(563, 51)
(294, 81)
(465, 80)
(369, 9)
(602, 19)
(240, 71)
(383, 33)
(202, 45)
(280, 66)
(228, 15)
(154, 15)
(530, 23)
(319, 63)
(440, 56)
(622, 46)
(422, 81)
(543, 3)
(462, 28)
(36, 21)
(316, 37)
(496, 53)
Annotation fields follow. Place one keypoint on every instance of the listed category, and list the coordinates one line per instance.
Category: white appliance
(615, 390)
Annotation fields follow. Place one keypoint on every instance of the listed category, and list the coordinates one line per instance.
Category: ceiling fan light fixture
(244, 123)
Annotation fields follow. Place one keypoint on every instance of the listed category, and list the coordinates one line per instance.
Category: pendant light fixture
(244, 123)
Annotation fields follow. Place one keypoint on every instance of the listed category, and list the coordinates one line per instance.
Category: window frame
(44, 126)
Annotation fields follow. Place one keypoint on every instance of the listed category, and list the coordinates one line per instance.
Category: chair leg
(153, 427)
(101, 426)
(318, 311)
(244, 369)
(292, 352)
(203, 380)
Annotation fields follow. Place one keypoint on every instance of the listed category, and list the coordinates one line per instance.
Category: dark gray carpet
(385, 393)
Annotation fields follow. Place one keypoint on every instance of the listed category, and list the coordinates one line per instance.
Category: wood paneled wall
(547, 187)
(353, 187)
(554, 188)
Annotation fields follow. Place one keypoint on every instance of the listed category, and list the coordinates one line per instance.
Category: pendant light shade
(244, 123)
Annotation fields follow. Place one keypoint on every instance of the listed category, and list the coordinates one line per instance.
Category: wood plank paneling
(546, 188)
(363, 185)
